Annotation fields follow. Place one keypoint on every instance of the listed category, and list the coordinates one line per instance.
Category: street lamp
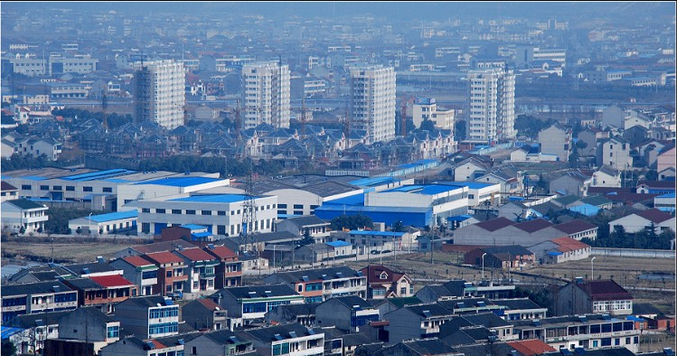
(592, 268)
(484, 254)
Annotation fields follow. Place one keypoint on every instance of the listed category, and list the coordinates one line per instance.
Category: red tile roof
(137, 261)
(209, 304)
(655, 215)
(495, 224)
(604, 290)
(373, 274)
(567, 244)
(112, 281)
(163, 257)
(575, 226)
(222, 252)
(533, 225)
(195, 254)
(657, 184)
(531, 347)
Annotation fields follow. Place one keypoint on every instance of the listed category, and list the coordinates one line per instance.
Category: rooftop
(216, 198)
(181, 181)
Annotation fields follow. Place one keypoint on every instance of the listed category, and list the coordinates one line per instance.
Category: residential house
(501, 328)
(28, 332)
(148, 316)
(219, 342)
(614, 152)
(427, 347)
(314, 226)
(504, 257)
(606, 176)
(103, 292)
(556, 140)
(520, 309)
(100, 268)
(638, 222)
(586, 331)
(289, 339)
(140, 271)
(530, 347)
(560, 250)
(248, 305)
(9, 192)
(204, 313)
(508, 185)
(37, 146)
(137, 346)
(471, 168)
(655, 187)
(23, 216)
(346, 313)
(90, 324)
(417, 321)
(318, 285)
(471, 305)
(665, 202)
(572, 182)
(592, 297)
(382, 282)
(38, 297)
(201, 269)
(229, 270)
(666, 160)
(171, 274)
(456, 289)
(303, 314)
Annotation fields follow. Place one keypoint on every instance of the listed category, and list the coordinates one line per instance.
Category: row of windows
(163, 313)
(163, 328)
(69, 188)
(205, 212)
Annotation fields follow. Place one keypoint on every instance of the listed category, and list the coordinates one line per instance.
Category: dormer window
(383, 275)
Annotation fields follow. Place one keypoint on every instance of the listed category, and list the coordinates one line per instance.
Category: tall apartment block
(491, 103)
(160, 93)
(266, 88)
(373, 101)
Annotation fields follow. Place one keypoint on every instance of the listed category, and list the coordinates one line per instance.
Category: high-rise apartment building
(266, 88)
(491, 103)
(373, 102)
(160, 93)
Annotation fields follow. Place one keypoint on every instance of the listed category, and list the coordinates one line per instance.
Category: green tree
(307, 239)
(351, 222)
(460, 130)
(399, 227)
(428, 125)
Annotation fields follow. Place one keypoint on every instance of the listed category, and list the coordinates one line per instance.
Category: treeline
(649, 238)
(221, 165)
(17, 162)
(79, 116)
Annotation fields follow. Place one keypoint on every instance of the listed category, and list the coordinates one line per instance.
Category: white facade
(556, 140)
(160, 94)
(606, 178)
(266, 88)
(426, 109)
(616, 153)
(302, 202)
(31, 217)
(222, 214)
(491, 104)
(373, 102)
(634, 223)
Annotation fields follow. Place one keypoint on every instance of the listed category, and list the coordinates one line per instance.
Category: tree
(398, 227)
(428, 125)
(307, 239)
(460, 130)
(352, 222)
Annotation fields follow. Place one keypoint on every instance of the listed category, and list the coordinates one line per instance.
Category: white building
(105, 224)
(491, 104)
(373, 102)
(222, 214)
(266, 88)
(556, 140)
(615, 153)
(638, 222)
(159, 93)
(426, 109)
(22, 213)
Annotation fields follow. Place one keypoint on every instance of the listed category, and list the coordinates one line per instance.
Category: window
(206, 212)
(87, 189)
(57, 187)
(113, 331)
(176, 211)
(160, 211)
(145, 228)
(107, 189)
(44, 187)
(169, 274)
(220, 229)
(70, 188)
(145, 210)
(282, 206)
(222, 213)
(26, 187)
(298, 206)
(190, 212)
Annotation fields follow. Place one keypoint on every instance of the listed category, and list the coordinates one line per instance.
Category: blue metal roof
(459, 218)
(425, 189)
(115, 216)
(353, 200)
(338, 244)
(472, 185)
(668, 195)
(7, 331)
(359, 209)
(98, 175)
(216, 198)
(33, 178)
(181, 181)
(554, 253)
(202, 234)
(369, 182)
(376, 233)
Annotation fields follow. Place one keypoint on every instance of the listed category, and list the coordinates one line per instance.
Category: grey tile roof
(34, 288)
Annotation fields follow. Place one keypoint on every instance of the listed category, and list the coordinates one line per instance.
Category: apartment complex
(266, 90)
(491, 104)
(159, 93)
(373, 102)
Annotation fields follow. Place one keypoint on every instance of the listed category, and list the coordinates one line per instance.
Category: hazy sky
(394, 10)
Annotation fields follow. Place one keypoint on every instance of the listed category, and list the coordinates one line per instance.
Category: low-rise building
(90, 324)
(290, 339)
(23, 216)
(171, 275)
(318, 285)
(248, 305)
(138, 346)
(520, 309)
(28, 332)
(229, 270)
(140, 271)
(220, 342)
(104, 224)
(148, 316)
(38, 297)
(385, 283)
(560, 250)
(201, 269)
(102, 292)
(638, 222)
(416, 321)
(347, 313)
(204, 313)
(593, 297)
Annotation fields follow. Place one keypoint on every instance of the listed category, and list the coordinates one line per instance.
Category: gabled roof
(6, 186)
(575, 226)
(194, 254)
(87, 268)
(278, 332)
(25, 204)
(517, 303)
(566, 244)
(531, 347)
(137, 261)
(112, 281)
(308, 220)
(495, 224)
(596, 200)
(426, 311)
(350, 301)
(27, 321)
(654, 215)
(163, 257)
(604, 290)
(374, 272)
(268, 291)
(317, 274)
(222, 252)
(162, 246)
(148, 301)
(534, 225)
